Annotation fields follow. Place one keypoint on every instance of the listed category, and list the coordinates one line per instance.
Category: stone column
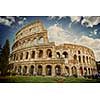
(53, 52)
(36, 54)
(24, 55)
(28, 68)
(63, 69)
(70, 71)
(53, 70)
(29, 55)
(44, 53)
(78, 71)
(35, 69)
(22, 70)
(44, 70)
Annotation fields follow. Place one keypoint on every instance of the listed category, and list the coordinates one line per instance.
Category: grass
(40, 79)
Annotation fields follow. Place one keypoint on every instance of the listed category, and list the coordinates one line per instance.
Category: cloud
(51, 17)
(95, 31)
(90, 21)
(75, 18)
(11, 18)
(58, 35)
(8, 20)
(5, 21)
(21, 22)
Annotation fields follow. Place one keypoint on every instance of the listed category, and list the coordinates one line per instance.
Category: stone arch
(79, 57)
(33, 54)
(31, 71)
(15, 68)
(65, 54)
(24, 70)
(41, 39)
(39, 70)
(49, 53)
(27, 53)
(48, 70)
(67, 71)
(58, 54)
(21, 56)
(87, 59)
(83, 59)
(75, 57)
(19, 70)
(74, 71)
(85, 71)
(81, 71)
(40, 55)
(35, 40)
(79, 52)
(89, 71)
(58, 70)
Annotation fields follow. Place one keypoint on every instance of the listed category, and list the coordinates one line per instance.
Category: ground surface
(37, 79)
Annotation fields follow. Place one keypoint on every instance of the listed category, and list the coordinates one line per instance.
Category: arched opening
(58, 55)
(79, 57)
(31, 70)
(85, 71)
(39, 70)
(79, 52)
(81, 71)
(35, 41)
(25, 70)
(21, 56)
(75, 57)
(66, 71)
(33, 54)
(27, 55)
(65, 54)
(74, 71)
(87, 59)
(48, 70)
(40, 54)
(49, 53)
(83, 59)
(41, 40)
(89, 70)
(19, 70)
(58, 70)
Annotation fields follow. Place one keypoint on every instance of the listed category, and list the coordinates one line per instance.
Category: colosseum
(33, 54)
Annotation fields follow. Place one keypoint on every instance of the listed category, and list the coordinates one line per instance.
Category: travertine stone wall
(33, 54)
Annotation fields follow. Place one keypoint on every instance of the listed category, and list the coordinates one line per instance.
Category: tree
(5, 58)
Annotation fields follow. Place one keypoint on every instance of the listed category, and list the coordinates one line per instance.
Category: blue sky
(84, 30)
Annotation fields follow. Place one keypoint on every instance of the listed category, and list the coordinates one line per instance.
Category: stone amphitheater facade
(33, 54)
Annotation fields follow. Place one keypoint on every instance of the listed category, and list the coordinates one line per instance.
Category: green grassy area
(40, 79)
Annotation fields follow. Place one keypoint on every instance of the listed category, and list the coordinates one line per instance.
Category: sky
(83, 30)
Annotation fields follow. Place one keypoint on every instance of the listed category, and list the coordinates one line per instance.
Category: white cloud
(11, 18)
(20, 22)
(58, 35)
(95, 31)
(51, 17)
(75, 18)
(5, 21)
(90, 21)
